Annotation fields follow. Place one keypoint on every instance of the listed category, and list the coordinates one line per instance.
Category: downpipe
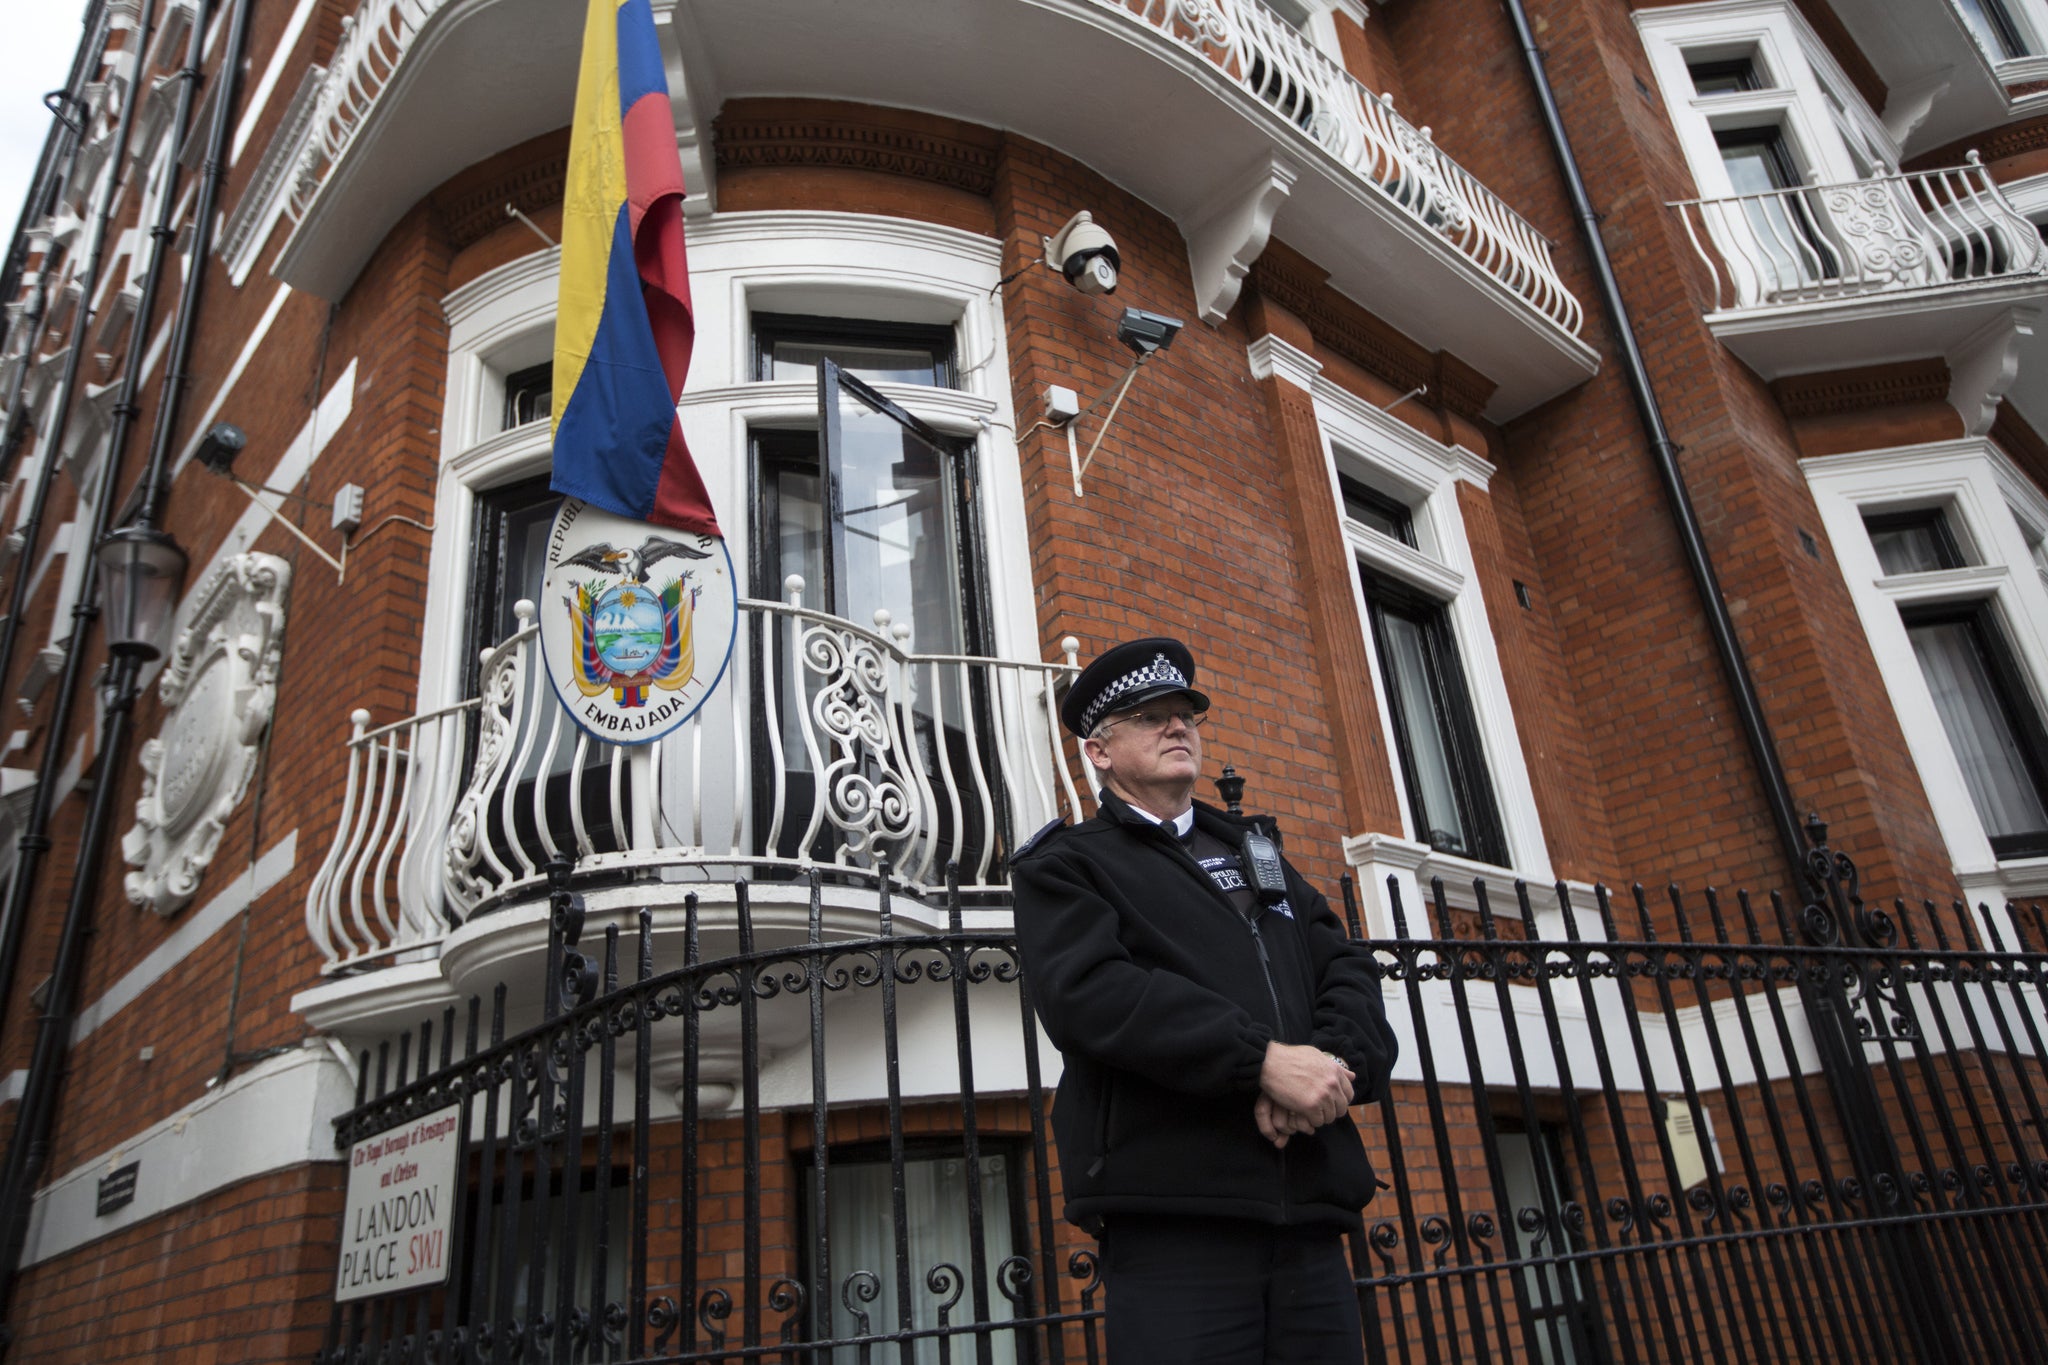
(54, 151)
(81, 327)
(34, 840)
(28, 1153)
(1827, 1005)
(1749, 709)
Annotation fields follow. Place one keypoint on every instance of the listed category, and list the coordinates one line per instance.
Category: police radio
(1260, 858)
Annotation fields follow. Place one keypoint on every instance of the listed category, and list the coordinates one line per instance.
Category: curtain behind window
(1979, 729)
(861, 1232)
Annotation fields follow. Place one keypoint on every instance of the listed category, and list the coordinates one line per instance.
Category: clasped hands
(1300, 1090)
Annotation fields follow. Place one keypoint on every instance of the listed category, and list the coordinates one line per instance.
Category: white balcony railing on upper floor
(932, 761)
(1863, 238)
(1273, 61)
(1249, 44)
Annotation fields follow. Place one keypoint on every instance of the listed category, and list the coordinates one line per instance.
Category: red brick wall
(246, 1274)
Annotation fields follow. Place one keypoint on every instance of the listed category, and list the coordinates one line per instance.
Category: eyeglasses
(1151, 722)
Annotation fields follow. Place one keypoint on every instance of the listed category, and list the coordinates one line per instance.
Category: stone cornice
(848, 137)
(1997, 144)
(471, 217)
(1836, 392)
(1272, 357)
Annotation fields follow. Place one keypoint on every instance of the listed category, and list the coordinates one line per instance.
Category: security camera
(218, 448)
(1085, 254)
(1146, 332)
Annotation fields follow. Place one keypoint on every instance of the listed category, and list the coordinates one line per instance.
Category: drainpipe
(29, 1150)
(32, 527)
(54, 151)
(1664, 456)
(35, 840)
(1827, 1006)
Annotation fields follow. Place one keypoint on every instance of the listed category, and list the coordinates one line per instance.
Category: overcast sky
(37, 40)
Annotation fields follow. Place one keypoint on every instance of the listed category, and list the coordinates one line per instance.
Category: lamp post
(141, 570)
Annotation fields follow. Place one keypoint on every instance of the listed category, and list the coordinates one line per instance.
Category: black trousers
(1219, 1291)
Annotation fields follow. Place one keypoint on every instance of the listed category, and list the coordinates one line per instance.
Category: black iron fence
(1653, 1129)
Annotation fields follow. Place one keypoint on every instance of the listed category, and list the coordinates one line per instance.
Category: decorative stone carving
(221, 686)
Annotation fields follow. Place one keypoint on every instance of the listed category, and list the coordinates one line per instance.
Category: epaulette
(1032, 842)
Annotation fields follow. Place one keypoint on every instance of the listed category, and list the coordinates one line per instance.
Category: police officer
(1215, 1023)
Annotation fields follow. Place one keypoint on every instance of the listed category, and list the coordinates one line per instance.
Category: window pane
(1913, 542)
(529, 395)
(1428, 750)
(860, 1228)
(1979, 719)
(1381, 513)
(1788, 249)
(1907, 549)
(1753, 167)
(1992, 24)
(901, 540)
(1724, 78)
(876, 364)
(800, 545)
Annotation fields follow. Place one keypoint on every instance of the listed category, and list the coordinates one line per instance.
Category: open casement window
(957, 1229)
(1994, 727)
(508, 561)
(1442, 764)
(875, 511)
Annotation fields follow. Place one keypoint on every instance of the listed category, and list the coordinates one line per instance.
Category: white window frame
(1991, 505)
(834, 264)
(2030, 19)
(1385, 453)
(1802, 74)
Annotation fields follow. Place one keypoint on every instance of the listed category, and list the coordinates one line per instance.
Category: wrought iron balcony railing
(1863, 238)
(828, 745)
(1255, 49)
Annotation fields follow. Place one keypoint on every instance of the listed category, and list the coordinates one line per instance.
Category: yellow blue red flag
(623, 328)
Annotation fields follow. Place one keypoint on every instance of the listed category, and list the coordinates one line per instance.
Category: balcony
(1952, 69)
(932, 765)
(1219, 114)
(1825, 277)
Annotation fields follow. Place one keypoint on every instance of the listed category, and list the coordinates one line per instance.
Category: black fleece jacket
(1157, 993)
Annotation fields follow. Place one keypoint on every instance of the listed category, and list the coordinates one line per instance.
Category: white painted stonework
(220, 684)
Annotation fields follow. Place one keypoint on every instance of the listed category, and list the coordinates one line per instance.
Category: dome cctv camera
(1085, 254)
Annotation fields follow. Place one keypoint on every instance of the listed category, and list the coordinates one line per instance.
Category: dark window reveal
(1442, 763)
(1724, 77)
(1919, 541)
(508, 561)
(789, 346)
(1794, 250)
(1993, 726)
(529, 395)
(1372, 508)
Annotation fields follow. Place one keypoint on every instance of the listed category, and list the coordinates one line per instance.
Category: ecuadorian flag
(623, 329)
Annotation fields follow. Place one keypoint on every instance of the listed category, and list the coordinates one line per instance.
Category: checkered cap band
(1155, 674)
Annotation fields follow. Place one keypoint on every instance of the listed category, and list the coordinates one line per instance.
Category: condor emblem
(636, 622)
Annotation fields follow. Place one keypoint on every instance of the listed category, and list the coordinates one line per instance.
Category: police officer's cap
(1128, 675)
